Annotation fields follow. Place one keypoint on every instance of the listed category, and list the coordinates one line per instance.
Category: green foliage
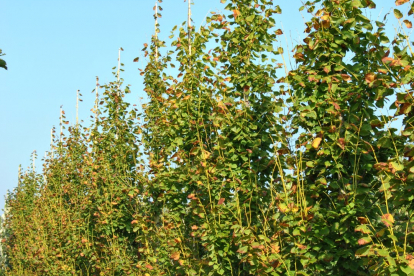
(2, 62)
(236, 169)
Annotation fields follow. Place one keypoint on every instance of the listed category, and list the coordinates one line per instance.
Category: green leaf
(397, 14)
(3, 64)
(397, 166)
(243, 250)
(250, 18)
(407, 269)
(362, 251)
(385, 142)
(310, 164)
(356, 3)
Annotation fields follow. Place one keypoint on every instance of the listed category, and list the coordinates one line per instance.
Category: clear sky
(55, 47)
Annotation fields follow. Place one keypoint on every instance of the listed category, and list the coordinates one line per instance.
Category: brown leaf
(341, 143)
(400, 2)
(346, 77)
(362, 220)
(408, 23)
(221, 201)
(326, 23)
(279, 32)
(149, 266)
(136, 59)
(370, 77)
(236, 13)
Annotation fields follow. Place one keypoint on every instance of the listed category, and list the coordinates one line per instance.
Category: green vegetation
(238, 165)
(2, 62)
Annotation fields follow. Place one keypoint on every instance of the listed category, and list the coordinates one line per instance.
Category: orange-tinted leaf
(275, 248)
(370, 77)
(346, 77)
(221, 201)
(257, 245)
(387, 219)
(396, 62)
(364, 241)
(149, 266)
(175, 256)
(410, 259)
(400, 2)
(236, 13)
(301, 246)
(279, 32)
(387, 60)
(408, 23)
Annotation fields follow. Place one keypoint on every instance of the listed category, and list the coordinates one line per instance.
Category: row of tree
(234, 168)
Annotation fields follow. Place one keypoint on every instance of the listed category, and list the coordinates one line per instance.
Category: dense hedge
(239, 165)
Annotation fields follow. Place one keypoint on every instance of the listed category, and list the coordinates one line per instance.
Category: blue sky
(53, 48)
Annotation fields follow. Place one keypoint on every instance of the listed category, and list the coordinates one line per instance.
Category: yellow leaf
(316, 142)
